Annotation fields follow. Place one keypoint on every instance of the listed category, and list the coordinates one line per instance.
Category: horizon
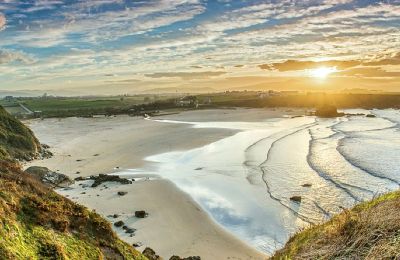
(105, 47)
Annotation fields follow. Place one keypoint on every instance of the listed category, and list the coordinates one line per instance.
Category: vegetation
(370, 230)
(308, 100)
(141, 104)
(16, 140)
(36, 222)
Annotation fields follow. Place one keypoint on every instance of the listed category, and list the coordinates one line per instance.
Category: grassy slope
(37, 223)
(370, 230)
(16, 140)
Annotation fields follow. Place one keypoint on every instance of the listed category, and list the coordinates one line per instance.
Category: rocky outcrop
(101, 178)
(150, 254)
(296, 199)
(48, 177)
(185, 258)
(327, 111)
(141, 214)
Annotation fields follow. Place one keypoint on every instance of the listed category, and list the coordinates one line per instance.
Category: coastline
(176, 224)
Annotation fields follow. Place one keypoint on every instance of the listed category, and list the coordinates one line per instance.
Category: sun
(322, 72)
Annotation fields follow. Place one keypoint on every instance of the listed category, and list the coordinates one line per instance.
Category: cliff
(36, 222)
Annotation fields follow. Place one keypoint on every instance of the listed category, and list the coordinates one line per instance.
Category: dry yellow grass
(370, 230)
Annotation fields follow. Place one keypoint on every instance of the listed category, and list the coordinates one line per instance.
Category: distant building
(9, 98)
(187, 101)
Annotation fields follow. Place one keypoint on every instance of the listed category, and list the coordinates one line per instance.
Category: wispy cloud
(193, 40)
(2, 21)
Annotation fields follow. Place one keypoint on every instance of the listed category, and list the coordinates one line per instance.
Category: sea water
(246, 181)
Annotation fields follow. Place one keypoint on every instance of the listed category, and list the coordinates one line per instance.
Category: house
(187, 101)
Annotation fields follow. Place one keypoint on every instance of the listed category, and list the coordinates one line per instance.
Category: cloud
(292, 65)
(186, 75)
(368, 72)
(2, 21)
(295, 65)
(14, 56)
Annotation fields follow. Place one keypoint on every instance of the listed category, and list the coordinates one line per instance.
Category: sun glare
(322, 72)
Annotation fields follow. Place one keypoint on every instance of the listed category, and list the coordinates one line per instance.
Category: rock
(307, 185)
(296, 199)
(327, 111)
(150, 254)
(370, 115)
(137, 244)
(80, 178)
(122, 193)
(119, 223)
(140, 214)
(115, 216)
(174, 257)
(199, 169)
(108, 178)
(130, 230)
(96, 154)
(48, 177)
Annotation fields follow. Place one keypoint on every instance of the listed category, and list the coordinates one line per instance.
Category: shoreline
(84, 147)
(193, 232)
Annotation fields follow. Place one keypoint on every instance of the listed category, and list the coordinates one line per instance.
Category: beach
(176, 224)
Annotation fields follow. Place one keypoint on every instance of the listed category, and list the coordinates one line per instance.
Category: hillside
(36, 222)
(370, 230)
(16, 140)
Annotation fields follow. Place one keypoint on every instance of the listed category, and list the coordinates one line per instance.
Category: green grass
(16, 140)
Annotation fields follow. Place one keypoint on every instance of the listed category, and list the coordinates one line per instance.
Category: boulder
(307, 185)
(130, 230)
(296, 199)
(101, 178)
(50, 178)
(370, 115)
(122, 193)
(119, 223)
(327, 111)
(150, 254)
(137, 244)
(174, 257)
(140, 214)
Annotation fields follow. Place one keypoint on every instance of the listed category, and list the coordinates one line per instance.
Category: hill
(370, 230)
(36, 222)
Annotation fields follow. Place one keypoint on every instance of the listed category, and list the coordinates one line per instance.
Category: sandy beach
(176, 224)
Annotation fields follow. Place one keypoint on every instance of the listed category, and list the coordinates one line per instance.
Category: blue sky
(127, 46)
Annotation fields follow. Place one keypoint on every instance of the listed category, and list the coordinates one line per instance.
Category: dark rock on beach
(48, 177)
(137, 244)
(150, 254)
(119, 223)
(130, 230)
(307, 185)
(141, 214)
(122, 193)
(296, 199)
(108, 178)
(327, 111)
(185, 258)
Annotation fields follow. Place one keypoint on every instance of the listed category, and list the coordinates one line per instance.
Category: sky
(93, 47)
